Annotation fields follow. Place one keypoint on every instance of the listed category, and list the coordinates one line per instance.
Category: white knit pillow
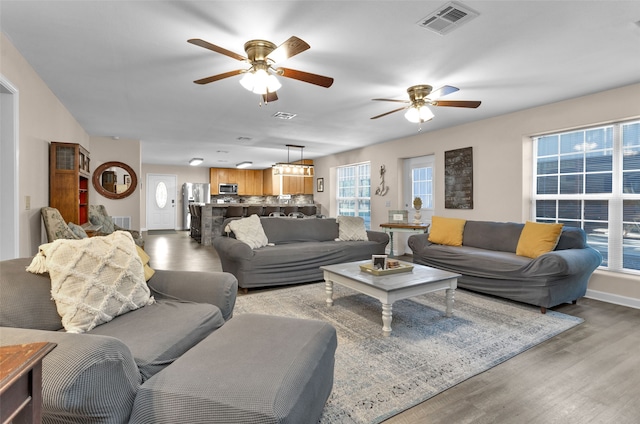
(93, 280)
(249, 230)
(351, 228)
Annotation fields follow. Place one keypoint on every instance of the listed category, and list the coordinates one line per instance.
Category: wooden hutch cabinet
(69, 176)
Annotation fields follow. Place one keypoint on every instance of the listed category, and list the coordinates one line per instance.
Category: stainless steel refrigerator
(198, 193)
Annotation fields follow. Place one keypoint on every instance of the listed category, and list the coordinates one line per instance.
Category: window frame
(614, 244)
(362, 192)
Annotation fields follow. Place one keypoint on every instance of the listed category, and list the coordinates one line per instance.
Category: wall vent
(122, 221)
(447, 18)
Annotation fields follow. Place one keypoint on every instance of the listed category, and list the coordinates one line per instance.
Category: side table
(21, 382)
(390, 228)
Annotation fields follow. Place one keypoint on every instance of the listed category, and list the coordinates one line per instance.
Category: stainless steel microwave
(228, 188)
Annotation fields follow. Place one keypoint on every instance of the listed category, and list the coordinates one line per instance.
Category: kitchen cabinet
(252, 183)
(249, 180)
(274, 185)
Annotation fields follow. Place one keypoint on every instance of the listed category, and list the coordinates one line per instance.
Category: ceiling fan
(262, 55)
(420, 96)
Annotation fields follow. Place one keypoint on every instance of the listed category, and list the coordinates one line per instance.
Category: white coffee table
(389, 288)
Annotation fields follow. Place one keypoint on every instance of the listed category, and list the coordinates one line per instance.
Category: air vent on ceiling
(284, 115)
(447, 18)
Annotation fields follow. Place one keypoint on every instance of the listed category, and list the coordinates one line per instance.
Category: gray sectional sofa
(488, 263)
(182, 359)
(297, 250)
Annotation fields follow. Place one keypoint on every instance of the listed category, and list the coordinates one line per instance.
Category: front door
(161, 202)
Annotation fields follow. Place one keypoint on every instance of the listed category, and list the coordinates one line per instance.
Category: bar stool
(267, 211)
(308, 210)
(195, 224)
(288, 210)
(234, 212)
(254, 210)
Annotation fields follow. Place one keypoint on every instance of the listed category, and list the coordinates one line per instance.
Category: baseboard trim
(613, 298)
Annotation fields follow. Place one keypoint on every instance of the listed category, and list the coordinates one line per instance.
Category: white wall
(502, 164)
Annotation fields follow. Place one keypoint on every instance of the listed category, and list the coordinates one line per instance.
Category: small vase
(417, 217)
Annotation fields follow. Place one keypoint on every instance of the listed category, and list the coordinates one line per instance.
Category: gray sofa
(488, 263)
(300, 247)
(183, 359)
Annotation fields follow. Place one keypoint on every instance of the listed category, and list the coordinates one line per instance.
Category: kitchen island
(212, 216)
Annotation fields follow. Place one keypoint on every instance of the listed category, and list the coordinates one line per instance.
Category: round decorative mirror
(114, 180)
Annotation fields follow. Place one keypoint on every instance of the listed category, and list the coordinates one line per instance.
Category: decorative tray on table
(368, 268)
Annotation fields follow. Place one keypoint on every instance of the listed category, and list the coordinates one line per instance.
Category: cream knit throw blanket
(93, 280)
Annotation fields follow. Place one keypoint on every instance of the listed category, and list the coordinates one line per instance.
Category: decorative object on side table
(417, 205)
(398, 217)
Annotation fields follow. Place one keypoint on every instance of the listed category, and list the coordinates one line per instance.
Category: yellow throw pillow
(148, 271)
(537, 239)
(446, 230)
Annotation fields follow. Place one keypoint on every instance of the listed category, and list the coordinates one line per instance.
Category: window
(422, 185)
(354, 191)
(590, 178)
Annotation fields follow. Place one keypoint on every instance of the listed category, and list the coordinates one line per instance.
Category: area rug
(377, 377)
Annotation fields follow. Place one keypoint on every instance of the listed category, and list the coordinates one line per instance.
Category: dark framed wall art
(458, 178)
(320, 185)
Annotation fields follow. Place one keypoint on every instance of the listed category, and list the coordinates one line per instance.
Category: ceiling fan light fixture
(260, 81)
(418, 114)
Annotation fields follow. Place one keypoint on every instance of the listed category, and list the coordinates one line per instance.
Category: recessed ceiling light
(284, 115)
(244, 164)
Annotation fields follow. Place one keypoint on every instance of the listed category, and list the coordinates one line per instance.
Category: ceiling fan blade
(443, 91)
(213, 78)
(392, 100)
(390, 112)
(306, 77)
(217, 49)
(289, 48)
(270, 97)
(457, 103)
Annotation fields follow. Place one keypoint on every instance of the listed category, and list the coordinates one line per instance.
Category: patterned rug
(377, 377)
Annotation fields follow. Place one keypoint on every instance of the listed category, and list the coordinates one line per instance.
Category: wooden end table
(21, 382)
(390, 228)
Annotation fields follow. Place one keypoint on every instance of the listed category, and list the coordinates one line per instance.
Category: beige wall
(184, 174)
(42, 118)
(106, 149)
(502, 165)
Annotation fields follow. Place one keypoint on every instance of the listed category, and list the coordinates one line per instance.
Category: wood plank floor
(589, 374)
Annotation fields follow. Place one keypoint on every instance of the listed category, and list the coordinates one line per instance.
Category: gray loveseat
(297, 250)
(488, 263)
(183, 359)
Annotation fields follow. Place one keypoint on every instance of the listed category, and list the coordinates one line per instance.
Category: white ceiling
(125, 69)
